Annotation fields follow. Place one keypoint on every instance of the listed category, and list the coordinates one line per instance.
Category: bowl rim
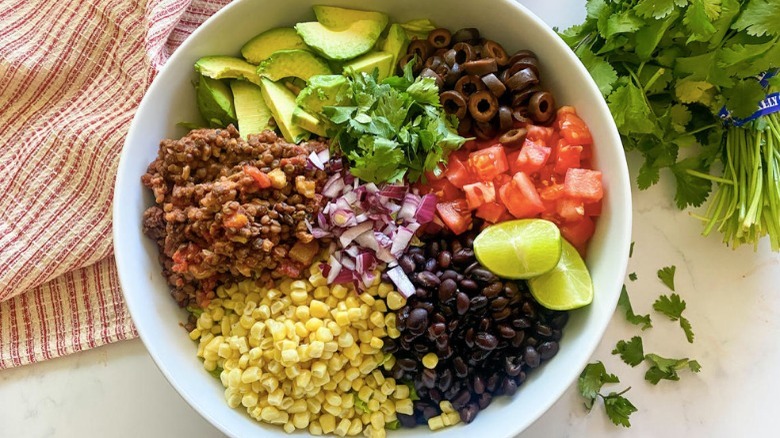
(622, 215)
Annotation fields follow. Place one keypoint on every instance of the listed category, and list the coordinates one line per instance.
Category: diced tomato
(479, 193)
(593, 208)
(443, 189)
(566, 109)
(573, 129)
(578, 233)
(260, 178)
(571, 209)
(489, 162)
(529, 159)
(458, 172)
(584, 184)
(183, 255)
(539, 134)
(236, 220)
(455, 214)
(567, 157)
(520, 197)
(289, 268)
(492, 212)
(552, 192)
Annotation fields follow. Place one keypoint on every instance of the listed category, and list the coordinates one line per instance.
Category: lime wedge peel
(566, 287)
(519, 249)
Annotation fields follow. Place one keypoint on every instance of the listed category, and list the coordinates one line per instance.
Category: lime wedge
(519, 249)
(568, 286)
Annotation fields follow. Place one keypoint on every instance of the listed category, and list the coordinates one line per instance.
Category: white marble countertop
(733, 306)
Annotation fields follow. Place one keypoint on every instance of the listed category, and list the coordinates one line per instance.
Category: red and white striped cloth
(72, 73)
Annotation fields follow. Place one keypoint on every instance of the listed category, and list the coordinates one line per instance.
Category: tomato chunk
(540, 134)
(578, 233)
(458, 173)
(571, 209)
(258, 175)
(567, 157)
(492, 212)
(520, 197)
(489, 162)
(479, 193)
(573, 129)
(530, 158)
(455, 214)
(584, 184)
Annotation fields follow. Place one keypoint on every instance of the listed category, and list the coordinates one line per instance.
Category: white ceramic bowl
(171, 99)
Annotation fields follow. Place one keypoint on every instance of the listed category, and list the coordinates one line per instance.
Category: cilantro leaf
(654, 8)
(377, 159)
(424, 91)
(673, 308)
(625, 305)
(623, 22)
(632, 276)
(592, 378)
(691, 91)
(760, 17)
(631, 249)
(698, 18)
(691, 190)
(630, 352)
(602, 72)
(666, 275)
(630, 110)
(687, 329)
(618, 408)
(662, 368)
(742, 100)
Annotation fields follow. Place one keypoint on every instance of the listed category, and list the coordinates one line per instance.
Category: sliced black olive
(454, 103)
(467, 34)
(494, 84)
(464, 126)
(439, 38)
(521, 97)
(522, 80)
(468, 85)
(421, 48)
(483, 105)
(433, 62)
(416, 67)
(520, 114)
(452, 76)
(521, 54)
(481, 67)
(513, 137)
(523, 63)
(491, 49)
(464, 52)
(428, 73)
(484, 130)
(542, 106)
(504, 118)
(449, 57)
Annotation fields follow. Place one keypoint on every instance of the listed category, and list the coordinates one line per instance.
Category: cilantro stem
(703, 128)
(703, 175)
(653, 78)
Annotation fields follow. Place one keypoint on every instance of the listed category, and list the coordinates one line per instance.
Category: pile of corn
(305, 355)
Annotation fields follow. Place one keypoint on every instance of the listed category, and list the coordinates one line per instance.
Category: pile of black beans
(488, 333)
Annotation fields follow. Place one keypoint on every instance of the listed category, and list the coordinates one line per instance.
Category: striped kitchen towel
(72, 75)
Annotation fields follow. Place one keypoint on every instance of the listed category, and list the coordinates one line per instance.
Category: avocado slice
(296, 63)
(396, 43)
(309, 122)
(227, 67)
(264, 45)
(341, 45)
(215, 102)
(251, 110)
(281, 101)
(336, 18)
(324, 90)
(368, 63)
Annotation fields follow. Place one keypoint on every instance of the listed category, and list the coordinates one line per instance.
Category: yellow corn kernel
(319, 368)
(316, 348)
(435, 423)
(332, 301)
(450, 418)
(195, 334)
(315, 428)
(367, 298)
(355, 428)
(290, 356)
(389, 363)
(217, 313)
(329, 408)
(302, 313)
(318, 280)
(251, 374)
(379, 378)
(430, 360)
(331, 346)
(352, 302)
(333, 398)
(384, 289)
(373, 405)
(377, 318)
(339, 291)
(377, 420)
(388, 387)
(393, 333)
(401, 392)
(301, 419)
(312, 324)
(353, 313)
(318, 309)
(299, 296)
(342, 318)
(270, 383)
(357, 384)
(289, 427)
(380, 306)
(395, 300)
(343, 427)
(324, 335)
(249, 400)
(322, 292)
(376, 342)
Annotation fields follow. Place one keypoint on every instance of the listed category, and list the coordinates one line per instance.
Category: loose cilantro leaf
(662, 368)
(760, 17)
(592, 378)
(631, 250)
(632, 276)
(631, 352)
(666, 275)
(673, 308)
(625, 305)
(618, 408)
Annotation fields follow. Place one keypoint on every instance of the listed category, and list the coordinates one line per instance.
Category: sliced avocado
(381, 61)
(341, 18)
(296, 63)
(396, 43)
(215, 102)
(419, 28)
(281, 101)
(341, 45)
(324, 90)
(227, 67)
(251, 110)
(309, 122)
(262, 46)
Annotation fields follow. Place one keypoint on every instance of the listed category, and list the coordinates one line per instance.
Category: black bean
(502, 314)
(442, 341)
(531, 341)
(543, 330)
(463, 256)
(468, 284)
(506, 332)
(407, 264)
(444, 259)
(424, 305)
(492, 383)
(471, 267)
(493, 289)
(483, 275)
(513, 367)
(459, 365)
(518, 339)
(449, 274)
(389, 345)
(499, 303)
(453, 325)
(462, 303)
(556, 335)
(407, 364)
(509, 386)
(478, 384)
(431, 265)
(429, 412)
(531, 357)
(479, 302)
(486, 341)
(406, 420)
(470, 337)
(447, 289)
(484, 400)
(435, 395)
(521, 323)
(418, 320)
(436, 330)
(548, 349)
(433, 249)
(418, 259)
(529, 309)
(461, 399)
(429, 378)
(469, 413)
(445, 380)
(421, 293)
(559, 320)
(428, 279)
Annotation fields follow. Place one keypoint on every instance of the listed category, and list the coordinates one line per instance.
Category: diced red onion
(343, 218)
(371, 188)
(324, 155)
(345, 276)
(368, 240)
(401, 240)
(335, 269)
(348, 263)
(333, 186)
(365, 262)
(394, 192)
(409, 207)
(348, 236)
(316, 160)
(401, 281)
(427, 209)
(353, 250)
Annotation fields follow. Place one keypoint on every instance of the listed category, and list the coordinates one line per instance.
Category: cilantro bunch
(395, 129)
(668, 67)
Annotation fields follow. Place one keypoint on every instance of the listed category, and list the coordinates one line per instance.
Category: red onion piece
(394, 192)
(316, 161)
(401, 240)
(401, 281)
(427, 209)
(348, 236)
(409, 207)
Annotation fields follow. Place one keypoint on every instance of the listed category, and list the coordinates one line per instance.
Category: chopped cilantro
(666, 275)
(360, 405)
(632, 276)
(624, 304)
(673, 306)
(194, 310)
(666, 369)
(617, 407)
(393, 425)
(631, 352)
